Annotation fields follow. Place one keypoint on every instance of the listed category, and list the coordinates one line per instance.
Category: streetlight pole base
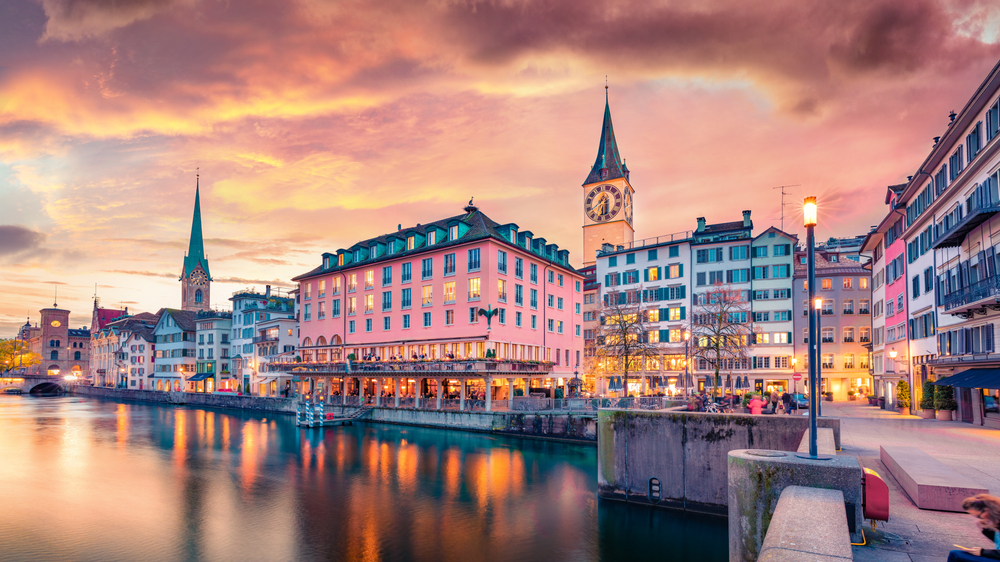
(814, 458)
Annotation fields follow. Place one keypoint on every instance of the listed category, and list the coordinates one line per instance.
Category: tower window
(55, 355)
(197, 296)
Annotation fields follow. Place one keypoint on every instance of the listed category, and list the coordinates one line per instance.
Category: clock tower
(607, 196)
(195, 278)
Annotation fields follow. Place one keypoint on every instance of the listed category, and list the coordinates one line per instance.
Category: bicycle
(713, 408)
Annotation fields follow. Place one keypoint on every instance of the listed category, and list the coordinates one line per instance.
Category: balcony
(864, 339)
(828, 340)
(265, 339)
(476, 368)
(980, 206)
(827, 312)
(848, 311)
(848, 340)
(985, 289)
(864, 311)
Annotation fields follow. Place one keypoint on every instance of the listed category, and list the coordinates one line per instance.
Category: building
(64, 351)
(138, 352)
(844, 288)
(213, 372)
(276, 342)
(655, 274)
(174, 362)
(196, 280)
(951, 202)
(249, 309)
(460, 287)
(840, 249)
(886, 245)
(773, 353)
(111, 365)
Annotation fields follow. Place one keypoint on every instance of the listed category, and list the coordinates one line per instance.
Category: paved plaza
(913, 534)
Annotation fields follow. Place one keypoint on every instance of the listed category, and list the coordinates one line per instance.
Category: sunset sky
(318, 123)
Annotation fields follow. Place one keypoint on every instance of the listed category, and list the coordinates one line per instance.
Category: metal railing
(456, 367)
(518, 404)
(262, 339)
(987, 288)
(676, 236)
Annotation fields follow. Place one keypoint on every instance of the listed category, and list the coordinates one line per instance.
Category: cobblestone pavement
(912, 534)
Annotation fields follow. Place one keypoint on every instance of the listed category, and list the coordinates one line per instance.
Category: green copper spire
(608, 165)
(196, 247)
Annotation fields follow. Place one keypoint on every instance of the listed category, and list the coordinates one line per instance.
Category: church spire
(608, 165)
(196, 246)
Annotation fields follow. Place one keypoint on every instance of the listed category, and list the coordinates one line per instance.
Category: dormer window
(340, 259)
(326, 263)
(527, 242)
(453, 232)
(432, 237)
(357, 255)
(411, 242)
(392, 247)
(373, 251)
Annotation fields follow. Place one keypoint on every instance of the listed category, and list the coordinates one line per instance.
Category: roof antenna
(55, 304)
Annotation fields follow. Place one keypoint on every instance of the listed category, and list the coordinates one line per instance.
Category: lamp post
(687, 338)
(818, 305)
(795, 384)
(892, 355)
(809, 220)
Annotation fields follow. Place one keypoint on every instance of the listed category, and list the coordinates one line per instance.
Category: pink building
(420, 293)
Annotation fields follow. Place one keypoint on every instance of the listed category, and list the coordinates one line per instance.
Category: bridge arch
(46, 389)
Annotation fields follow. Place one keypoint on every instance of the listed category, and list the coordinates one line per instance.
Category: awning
(973, 378)
(200, 377)
(265, 381)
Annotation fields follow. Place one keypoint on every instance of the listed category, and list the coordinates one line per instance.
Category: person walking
(786, 401)
(756, 405)
(986, 509)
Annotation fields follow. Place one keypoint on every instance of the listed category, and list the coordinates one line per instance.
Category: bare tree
(721, 329)
(622, 342)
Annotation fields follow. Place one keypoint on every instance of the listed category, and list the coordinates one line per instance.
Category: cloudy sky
(316, 123)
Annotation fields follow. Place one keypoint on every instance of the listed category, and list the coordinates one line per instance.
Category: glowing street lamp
(809, 212)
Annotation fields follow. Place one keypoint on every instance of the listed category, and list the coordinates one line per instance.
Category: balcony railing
(262, 339)
(864, 339)
(848, 311)
(982, 204)
(987, 288)
(456, 367)
(827, 312)
(863, 311)
(827, 340)
(848, 340)
(827, 365)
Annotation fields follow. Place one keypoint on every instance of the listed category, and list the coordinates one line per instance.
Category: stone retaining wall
(258, 403)
(686, 452)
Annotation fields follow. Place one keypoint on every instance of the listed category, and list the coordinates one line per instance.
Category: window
(335, 309)
(453, 232)
(849, 306)
(534, 298)
(320, 312)
(432, 237)
(827, 308)
(916, 286)
(308, 312)
(449, 292)
(473, 315)
(406, 270)
(427, 295)
(474, 259)
(629, 258)
(613, 261)
(674, 251)
(865, 335)
(474, 289)
(552, 277)
(552, 325)
(501, 261)
(559, 304)
(782, 249)
(308, 294)
(369, 279)
(863, 304)
(449, 317)
(369, 303)
(534, 322)
(350, 327)
(322, 288)
(502, 315)
(517, 319)
(651, 255)
(427, 320)
(827, 360)
(827, 335)
(501, 290)
(848, 283)
(827, 284)
(711, 255)
(411, 242)
(738, 252)
(405, 299)
(561, 279)
(534, 273)
(427, 269)
(386, 323)
(387, 276)
(368, 324)
(848, 360)
(863, 283)
(335, 290)
(406, 321)
(760, 251)
(518, 268)
(386, 301)
(848, 335)
(652, 274)
(519, 295)
(781, 271)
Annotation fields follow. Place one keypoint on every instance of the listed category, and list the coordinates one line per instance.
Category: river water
(88, 479)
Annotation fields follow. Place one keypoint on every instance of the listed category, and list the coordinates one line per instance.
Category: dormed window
(411, 242)
(431, 237)
(453, 232)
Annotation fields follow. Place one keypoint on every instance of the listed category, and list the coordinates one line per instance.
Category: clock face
(56, 323)
(603, 203)
(628, 207)
(198, 279)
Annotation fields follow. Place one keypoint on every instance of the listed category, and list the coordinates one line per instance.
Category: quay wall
(687, 452)
(572, 426)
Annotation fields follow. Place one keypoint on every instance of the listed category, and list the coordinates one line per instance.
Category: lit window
(474, 288)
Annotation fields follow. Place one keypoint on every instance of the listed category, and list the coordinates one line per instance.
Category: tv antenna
(782, 188)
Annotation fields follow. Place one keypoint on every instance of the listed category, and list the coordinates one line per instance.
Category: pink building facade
(417, 294)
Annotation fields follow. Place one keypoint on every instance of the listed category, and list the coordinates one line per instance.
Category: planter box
(944, 415)
(903, 411)
(927, 414)
(881, 403)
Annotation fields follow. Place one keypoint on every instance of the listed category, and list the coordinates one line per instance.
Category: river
(89, 479)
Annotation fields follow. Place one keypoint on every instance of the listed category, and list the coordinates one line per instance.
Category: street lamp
(795, 384)
(809, 221)
(818, 305)
(687, 376)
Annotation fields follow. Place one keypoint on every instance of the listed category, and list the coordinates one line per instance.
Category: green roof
(196, 247)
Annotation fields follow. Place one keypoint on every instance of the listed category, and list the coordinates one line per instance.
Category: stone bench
(808, 524)
(825, 442)
(930, 483)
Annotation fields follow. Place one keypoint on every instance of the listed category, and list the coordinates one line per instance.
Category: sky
(315, 124)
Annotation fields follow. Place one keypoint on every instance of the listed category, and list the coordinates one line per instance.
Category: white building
(137, 356)
(213, 371)
(175, 350)
(276, 342)
(249, 308)
(772, 356)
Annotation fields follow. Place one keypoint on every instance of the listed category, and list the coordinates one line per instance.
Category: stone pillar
(437, 383)
(642, 390)
(416, 392)
(378, 392)
(510, 394)
(461, 399)
(489, 394)
(396, 383)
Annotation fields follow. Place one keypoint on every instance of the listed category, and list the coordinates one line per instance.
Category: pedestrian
(756, 405)
(986, 509)
(775, 400)
(786, 401)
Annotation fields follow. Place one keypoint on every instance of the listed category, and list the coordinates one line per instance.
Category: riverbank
(562, 426)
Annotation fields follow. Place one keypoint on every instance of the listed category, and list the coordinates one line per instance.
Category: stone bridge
(11, 383)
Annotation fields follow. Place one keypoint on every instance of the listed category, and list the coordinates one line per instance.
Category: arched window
(76, 356)
(197, 296)
(55, 355)
(58, 344)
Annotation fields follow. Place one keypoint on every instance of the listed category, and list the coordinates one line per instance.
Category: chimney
(267, 291)
(746, 219)
(701, 224)
(126, 311)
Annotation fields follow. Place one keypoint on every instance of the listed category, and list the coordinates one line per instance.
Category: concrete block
(757, 479)
(930, 483)
(808, 524)
(825, 442)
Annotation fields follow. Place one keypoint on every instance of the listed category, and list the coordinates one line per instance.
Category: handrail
(455, 367)
(989, 287)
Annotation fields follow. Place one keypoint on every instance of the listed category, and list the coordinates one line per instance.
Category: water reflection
(96, 480)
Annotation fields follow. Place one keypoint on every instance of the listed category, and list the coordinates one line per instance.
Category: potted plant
(851, 395)
(944, 402)
(903, 397)
(927, 401)
(829, 396)
(881, 402)
(872, 400)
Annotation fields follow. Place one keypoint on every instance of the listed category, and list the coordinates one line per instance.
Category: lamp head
(809, 211)
(893, 353)
(687, 336)
(794, 361)
(818, 303)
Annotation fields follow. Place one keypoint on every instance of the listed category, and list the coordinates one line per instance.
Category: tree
(15, 354)
(721, 329)
(903, 394)
(622, 342)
